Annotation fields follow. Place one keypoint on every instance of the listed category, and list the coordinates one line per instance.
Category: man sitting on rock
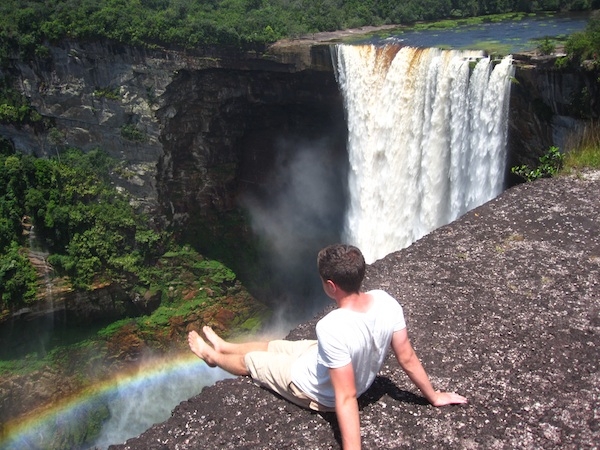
(329, 374)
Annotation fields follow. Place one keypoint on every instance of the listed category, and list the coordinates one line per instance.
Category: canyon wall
(197, 131)
(153, 109)
(548, 106)
(193, 132)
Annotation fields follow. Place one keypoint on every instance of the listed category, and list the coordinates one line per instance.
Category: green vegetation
(550, 164)
(193, 291)
(90, 230)
(94, 237)
(547, 46)
(583, 149)
(27, 26)
(585, 46)
(111, 93)
(583, 158)
(131, 133)
(14, 107)
(468, 21)
(188, 285)
(92, 233)
(492, 48)
(18, 278)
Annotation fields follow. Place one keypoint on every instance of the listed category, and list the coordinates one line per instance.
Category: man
(329, 374)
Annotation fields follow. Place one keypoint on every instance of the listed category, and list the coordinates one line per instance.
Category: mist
(299, 210)
(145, 400)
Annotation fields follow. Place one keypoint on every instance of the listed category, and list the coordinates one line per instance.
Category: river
(514, 35)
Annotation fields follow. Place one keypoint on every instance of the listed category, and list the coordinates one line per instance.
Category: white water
(426, 139)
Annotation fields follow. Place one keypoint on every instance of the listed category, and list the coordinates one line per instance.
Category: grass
(22, 366)
(588, 157)
(582, 148)
(581, 151)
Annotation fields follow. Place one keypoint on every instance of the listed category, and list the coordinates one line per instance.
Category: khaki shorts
(273, 370)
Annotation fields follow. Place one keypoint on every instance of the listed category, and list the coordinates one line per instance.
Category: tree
(585, 45)
(547, 47)
(18, 278)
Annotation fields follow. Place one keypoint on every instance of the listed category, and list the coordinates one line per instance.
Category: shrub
(111, 93)
(547, 47)
(17, 278)
(562, 62)
(131, 133)
(549, 165)
(585, 45)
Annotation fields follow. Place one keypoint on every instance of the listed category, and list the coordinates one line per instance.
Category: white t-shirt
(346, 336)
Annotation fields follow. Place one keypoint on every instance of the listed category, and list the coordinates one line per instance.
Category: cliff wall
(92, 93)
(548, 107)
(194, 132)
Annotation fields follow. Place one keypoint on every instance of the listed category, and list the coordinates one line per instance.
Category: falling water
(427, 138)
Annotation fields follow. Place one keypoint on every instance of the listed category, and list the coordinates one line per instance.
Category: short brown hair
(343, 264)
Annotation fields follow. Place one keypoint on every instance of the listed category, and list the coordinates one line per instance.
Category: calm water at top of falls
(519, 35)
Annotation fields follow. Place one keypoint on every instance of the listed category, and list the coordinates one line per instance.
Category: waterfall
(427, 132)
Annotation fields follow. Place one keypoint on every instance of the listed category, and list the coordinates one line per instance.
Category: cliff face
(171, 117)
(501, 305)
(196, 132)
(548, 107)
(222, 133)
(88, 92)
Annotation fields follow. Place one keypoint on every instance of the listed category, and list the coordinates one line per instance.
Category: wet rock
(502, 306)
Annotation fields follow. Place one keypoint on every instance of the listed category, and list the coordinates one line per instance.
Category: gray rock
(502, 306)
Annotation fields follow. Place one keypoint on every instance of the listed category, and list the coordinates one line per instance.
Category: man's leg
(232, 360)
(273, 370)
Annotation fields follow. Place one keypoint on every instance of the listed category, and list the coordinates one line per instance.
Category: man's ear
(330, 287)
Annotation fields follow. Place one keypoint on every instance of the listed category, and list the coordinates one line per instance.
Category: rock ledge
(502, 305)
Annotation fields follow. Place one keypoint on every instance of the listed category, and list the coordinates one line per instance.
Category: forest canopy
(27, 25)
(91, 232)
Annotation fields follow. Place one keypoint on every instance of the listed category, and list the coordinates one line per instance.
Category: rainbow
(161, 383)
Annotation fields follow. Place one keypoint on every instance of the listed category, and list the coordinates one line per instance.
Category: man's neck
(356, 301)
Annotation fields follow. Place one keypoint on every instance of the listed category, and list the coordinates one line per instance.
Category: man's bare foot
(217, 342)
(200, 348)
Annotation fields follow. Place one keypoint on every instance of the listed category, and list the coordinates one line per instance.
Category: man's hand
(447, 398)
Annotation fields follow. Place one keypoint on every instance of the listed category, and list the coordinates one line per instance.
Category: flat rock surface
(502, 306)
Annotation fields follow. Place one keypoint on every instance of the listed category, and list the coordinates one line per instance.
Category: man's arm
(346, 406)
(410, 363)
